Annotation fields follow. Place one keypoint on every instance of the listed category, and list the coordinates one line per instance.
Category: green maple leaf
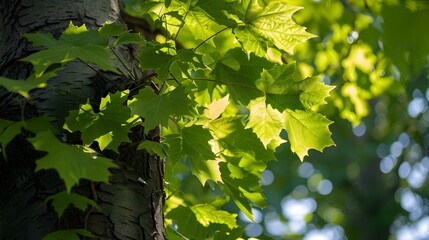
(173, 142)
(157, 57)
(216, 108)
(9, 129)
(152, 148)
(62, 200)
(75, 42)
(164, 60)
(233, 234)
(207, 214)
(277, 80)
(71, 162)
(187, 223)
(23, 87)
(283, 92)
(69, 234)
(203, 25)
(238, 74)
(307, 130)
(195, 145)
(242, 189)
(234, 140)
(268, 25)
(109, 126)
(156, 109)
(265, 122)
(313, 92)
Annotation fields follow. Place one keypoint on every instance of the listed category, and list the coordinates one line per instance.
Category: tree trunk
(129, 208)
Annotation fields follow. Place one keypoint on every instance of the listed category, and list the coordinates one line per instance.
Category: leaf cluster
(220, 93)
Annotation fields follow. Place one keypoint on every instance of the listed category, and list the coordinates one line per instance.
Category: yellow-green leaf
(265, 122)
(307, 130)
(269, 25)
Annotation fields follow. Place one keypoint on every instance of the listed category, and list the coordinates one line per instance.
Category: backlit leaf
(109, 126)
(265, 121)
(234, 140)
(207, 214)
(216, 108)
(267, 25)
(75, 42)
(307, 130)
(187, 223)
(195, 145)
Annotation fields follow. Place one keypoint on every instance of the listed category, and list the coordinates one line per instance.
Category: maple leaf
(307, 130)
(109, 126)
(156, 109)
(265, 122)
(268, 25)
(71, 162)
(62, 200)
(193, 143)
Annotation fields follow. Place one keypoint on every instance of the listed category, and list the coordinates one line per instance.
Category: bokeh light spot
(254, 230)
(359, 130)
(325, 187)
(305, 170)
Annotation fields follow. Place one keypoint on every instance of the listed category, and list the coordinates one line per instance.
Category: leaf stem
(123, 64)
(212, 36)
(178, 233)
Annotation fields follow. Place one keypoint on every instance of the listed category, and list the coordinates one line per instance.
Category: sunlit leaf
(195, 145)
(187, 223)
(266, 25)
(109, 126)
(241, 189)
(233, 139)
(75, 42)
(307, 130)
(216, 108)
(265, 121)
(207, 214)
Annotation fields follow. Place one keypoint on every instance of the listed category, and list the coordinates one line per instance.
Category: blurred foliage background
(374, 183)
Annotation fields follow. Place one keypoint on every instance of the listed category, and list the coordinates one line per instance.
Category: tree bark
(131, 205)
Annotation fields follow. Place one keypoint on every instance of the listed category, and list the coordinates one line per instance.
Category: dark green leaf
(152, 148)
(195, 145)
(69, 234)
(187, 223)
(71, 162)
(23, 87)
(62, 200)
(156, 109)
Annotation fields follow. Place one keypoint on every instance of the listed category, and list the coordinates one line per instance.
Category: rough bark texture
(129, 208)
